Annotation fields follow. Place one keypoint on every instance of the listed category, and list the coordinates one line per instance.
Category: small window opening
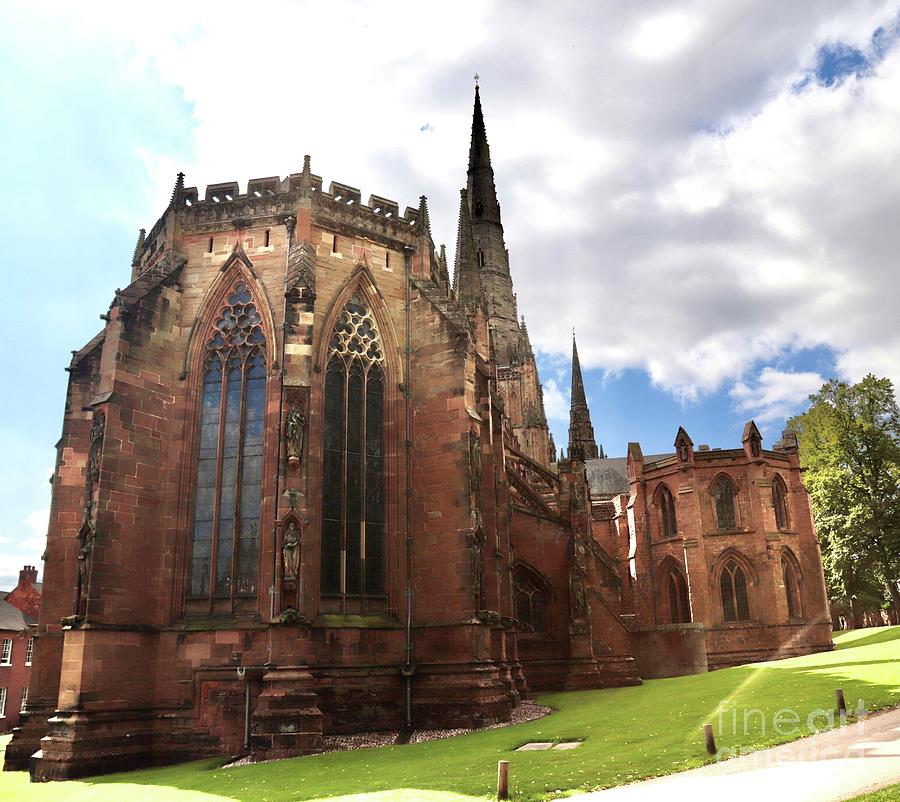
(387, 260)
(481, 258)
(334, 244)
(267, 238)
(210, 246)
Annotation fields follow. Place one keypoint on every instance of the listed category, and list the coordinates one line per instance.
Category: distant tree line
(850, 449)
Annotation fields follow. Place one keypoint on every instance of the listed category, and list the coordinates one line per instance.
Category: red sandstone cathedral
(306, 486)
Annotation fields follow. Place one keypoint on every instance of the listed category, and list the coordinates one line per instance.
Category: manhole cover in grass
(568, 745)
(536, 746)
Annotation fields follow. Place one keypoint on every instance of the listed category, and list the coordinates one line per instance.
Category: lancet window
(353, 459)
(225, 549)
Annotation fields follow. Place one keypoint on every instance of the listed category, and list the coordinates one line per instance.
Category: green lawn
(628, 733)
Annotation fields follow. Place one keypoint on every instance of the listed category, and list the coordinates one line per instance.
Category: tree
(850, 448)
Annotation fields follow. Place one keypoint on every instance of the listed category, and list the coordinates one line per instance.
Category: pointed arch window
(723, 493)
(679, 600)
(779, 500)
(791, 588)
(353, 459)
(530, 600)
(225, 543)
(668, 525)
(733, 587)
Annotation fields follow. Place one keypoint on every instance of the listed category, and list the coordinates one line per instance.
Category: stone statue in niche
(474, 461)
(683, 451)
(754, 446)
(294, 431)
(95, 448)
(86, 542)
(290, 551)
(578, 594)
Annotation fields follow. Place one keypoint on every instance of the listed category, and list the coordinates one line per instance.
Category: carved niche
(290, 552)
(294, 435)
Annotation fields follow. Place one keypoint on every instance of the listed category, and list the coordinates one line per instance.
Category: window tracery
(530, 600)
(353, 458)
(668, 523)
(679, 600)
(723, 493)
(225, 541)
(733, 587)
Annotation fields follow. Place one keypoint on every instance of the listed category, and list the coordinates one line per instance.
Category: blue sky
(708, 192)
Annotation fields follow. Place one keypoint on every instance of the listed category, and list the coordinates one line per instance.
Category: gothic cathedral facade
(306, 486)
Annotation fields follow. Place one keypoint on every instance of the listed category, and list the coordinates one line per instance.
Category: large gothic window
(733, 586)
(353, 474)
(679, 603)
(668, 525)
(779, 499)
(723, 493)
(530, 600)
(224, 559)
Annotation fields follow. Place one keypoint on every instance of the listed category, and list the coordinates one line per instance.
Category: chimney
(27, 576)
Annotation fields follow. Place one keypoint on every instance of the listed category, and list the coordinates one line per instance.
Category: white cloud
(556, 401)
(37, 521)
(775, 395)
(697, 215)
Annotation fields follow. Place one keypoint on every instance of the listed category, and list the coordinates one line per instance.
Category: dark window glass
(733, 585)
(530, 600)
(667, 512)
(723, 492)
(225, 539)
(779, 499)
(679, 603)
(790, 588)
(353, 492)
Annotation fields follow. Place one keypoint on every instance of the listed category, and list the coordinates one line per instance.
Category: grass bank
(628, 734)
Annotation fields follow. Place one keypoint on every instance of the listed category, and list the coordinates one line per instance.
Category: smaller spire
(423, 220)
(136, 257)
(581, 432)
(525, 339)
(443, 272)
(306, 175)
(178, 191)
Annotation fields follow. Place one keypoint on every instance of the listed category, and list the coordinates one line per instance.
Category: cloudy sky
(709, 192)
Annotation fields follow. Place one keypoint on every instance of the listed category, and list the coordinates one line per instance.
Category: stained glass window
(723, 492)
(779, 499)
(224, 559)
(353, 458)
(733, 586)
(679, 603)
(530, 600)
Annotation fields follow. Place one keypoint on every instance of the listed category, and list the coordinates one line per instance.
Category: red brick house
(306, 486)
(19, 609)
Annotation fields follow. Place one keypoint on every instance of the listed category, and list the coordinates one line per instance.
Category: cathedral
(306, 486)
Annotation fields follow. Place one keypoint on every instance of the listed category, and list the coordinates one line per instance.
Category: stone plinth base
(461, 696)
(26, 738)
(286, 721)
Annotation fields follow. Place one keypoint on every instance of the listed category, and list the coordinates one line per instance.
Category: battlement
(227, 196)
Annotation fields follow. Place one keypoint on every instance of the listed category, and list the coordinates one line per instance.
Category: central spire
(482, 192)
(581, 432)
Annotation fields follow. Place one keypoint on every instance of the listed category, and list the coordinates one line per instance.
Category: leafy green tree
(850, 447)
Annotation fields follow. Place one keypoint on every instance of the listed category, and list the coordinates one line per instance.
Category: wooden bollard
(503, 779)
(841, 704)
(710, 739)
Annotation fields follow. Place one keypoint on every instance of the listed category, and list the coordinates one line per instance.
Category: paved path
(828, 767)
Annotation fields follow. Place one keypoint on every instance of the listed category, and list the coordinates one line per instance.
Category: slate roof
(12, 619)
(609, 476)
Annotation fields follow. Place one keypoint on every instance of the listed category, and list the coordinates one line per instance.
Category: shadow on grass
(629, 734)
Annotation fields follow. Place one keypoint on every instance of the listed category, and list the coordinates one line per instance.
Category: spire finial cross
(476, 76)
